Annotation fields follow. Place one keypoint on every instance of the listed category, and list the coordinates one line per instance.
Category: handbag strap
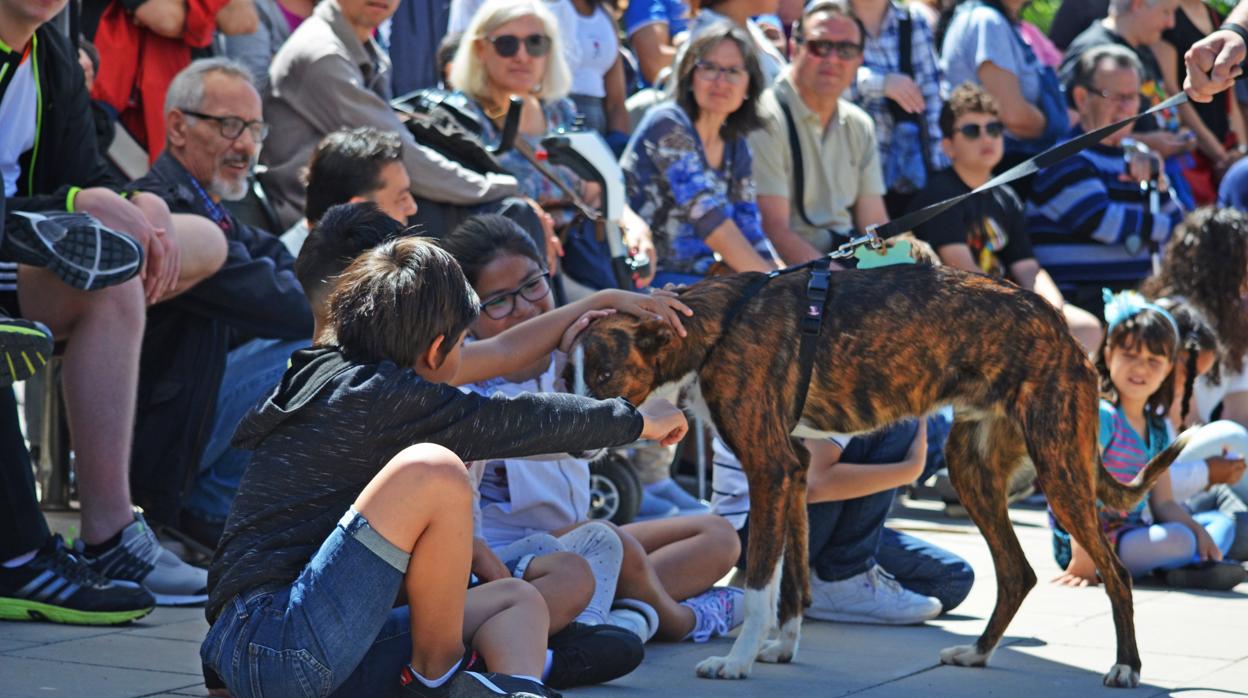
(577, 202)
(799, 172)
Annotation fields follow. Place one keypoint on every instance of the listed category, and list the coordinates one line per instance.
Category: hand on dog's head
(621, 356)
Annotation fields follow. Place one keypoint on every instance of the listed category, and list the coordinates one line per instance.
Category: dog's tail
(1123, 496)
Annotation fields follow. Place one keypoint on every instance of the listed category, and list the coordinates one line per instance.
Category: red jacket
(137, 65)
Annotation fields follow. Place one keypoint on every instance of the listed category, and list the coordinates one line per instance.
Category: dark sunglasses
(504, 304)
(232, 127)
(994, 129)
(845, 50)
(506, 45)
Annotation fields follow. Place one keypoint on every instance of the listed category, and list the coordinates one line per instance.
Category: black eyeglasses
(504, 304)
(845, 50)
(232, 127)
(506, 45)
(993, 129)
(711, 72)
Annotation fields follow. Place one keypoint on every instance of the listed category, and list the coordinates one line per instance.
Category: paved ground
(1193, 644)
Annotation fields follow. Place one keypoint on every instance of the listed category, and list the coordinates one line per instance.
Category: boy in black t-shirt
(987, 233)
(356, 493)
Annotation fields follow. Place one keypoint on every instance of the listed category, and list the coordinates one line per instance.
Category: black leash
(817, 287)
(1048, 158)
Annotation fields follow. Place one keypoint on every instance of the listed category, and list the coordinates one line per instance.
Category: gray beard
(228, 191)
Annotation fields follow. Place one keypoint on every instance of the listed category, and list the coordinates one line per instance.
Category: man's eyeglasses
(711, 72)
(993, 129)
(507, 45)
(1127, 100)
(845, 50)
(232, 127)
(503, 304)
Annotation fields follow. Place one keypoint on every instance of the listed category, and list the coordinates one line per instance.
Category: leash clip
(869, 238)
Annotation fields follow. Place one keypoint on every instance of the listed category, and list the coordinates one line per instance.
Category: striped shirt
(1124, 453)
(1088, 228)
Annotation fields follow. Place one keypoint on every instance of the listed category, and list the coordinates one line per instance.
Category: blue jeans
(333, 630)
(251, 371)
(925, 568)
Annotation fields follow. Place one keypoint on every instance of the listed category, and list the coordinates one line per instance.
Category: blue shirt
(673, 13)
(1233, 192)
(672, 186)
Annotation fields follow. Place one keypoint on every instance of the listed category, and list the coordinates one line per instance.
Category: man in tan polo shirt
(842, 188)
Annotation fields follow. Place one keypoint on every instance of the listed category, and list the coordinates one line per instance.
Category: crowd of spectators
(233, 379)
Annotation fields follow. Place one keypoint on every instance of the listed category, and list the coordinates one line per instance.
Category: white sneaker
(871, 597)
(635, 616)
(140, 558)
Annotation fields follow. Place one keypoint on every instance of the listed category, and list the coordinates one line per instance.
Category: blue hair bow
(1127, 304)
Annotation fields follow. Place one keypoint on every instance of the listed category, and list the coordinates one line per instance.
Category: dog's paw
(1122, 676)
(776, 652)
(963, 655)
(723, 668)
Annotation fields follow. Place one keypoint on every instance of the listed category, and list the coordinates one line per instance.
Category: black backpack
(444, 121)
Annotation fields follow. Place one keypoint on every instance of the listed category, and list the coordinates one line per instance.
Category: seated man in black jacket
(211, 353)
(49, 162)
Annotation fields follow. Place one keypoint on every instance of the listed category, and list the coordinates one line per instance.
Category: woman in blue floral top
(688, 169)
(512, 48)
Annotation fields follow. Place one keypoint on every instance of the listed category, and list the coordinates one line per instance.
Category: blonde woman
(513, 48)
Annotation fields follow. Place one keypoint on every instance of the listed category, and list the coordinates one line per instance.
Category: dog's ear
(652, 335)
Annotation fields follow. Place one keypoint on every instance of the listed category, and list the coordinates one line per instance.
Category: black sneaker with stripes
(25, 346)
(139, 557)
(76, 247)
(58, 587)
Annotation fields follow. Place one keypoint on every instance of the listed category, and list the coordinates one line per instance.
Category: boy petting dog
(344, 564)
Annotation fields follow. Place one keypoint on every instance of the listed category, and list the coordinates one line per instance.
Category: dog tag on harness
(899, 253)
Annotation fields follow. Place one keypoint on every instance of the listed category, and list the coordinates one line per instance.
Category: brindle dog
(896, 342)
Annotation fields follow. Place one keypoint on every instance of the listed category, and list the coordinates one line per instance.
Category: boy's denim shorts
(333, 630)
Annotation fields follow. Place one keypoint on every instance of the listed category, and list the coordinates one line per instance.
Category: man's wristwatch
(1243, 34)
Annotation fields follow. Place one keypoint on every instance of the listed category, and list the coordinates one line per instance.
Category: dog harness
(815, 303)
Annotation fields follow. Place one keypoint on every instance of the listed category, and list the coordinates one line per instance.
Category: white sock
(534, 679)
(434, 683)
(550, 658)
(20, 560)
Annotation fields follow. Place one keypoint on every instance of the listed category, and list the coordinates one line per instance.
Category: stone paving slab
(1193, 644)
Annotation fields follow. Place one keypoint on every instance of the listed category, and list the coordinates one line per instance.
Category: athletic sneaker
(74, 246)
(58, 587)
(668, 490)
(716, 612)
(583, 655)
(26, 346)
(139, 557)
(473, 684)
(871, 597)
(1214, 576)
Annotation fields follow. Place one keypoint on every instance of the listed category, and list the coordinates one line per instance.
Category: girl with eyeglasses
(654, 578)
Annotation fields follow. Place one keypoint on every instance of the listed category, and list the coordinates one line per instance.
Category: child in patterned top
(1136, 363)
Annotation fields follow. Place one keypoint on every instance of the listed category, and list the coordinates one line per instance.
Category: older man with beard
(212, 352)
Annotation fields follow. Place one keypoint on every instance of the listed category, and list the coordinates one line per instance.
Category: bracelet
(1243, 34)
